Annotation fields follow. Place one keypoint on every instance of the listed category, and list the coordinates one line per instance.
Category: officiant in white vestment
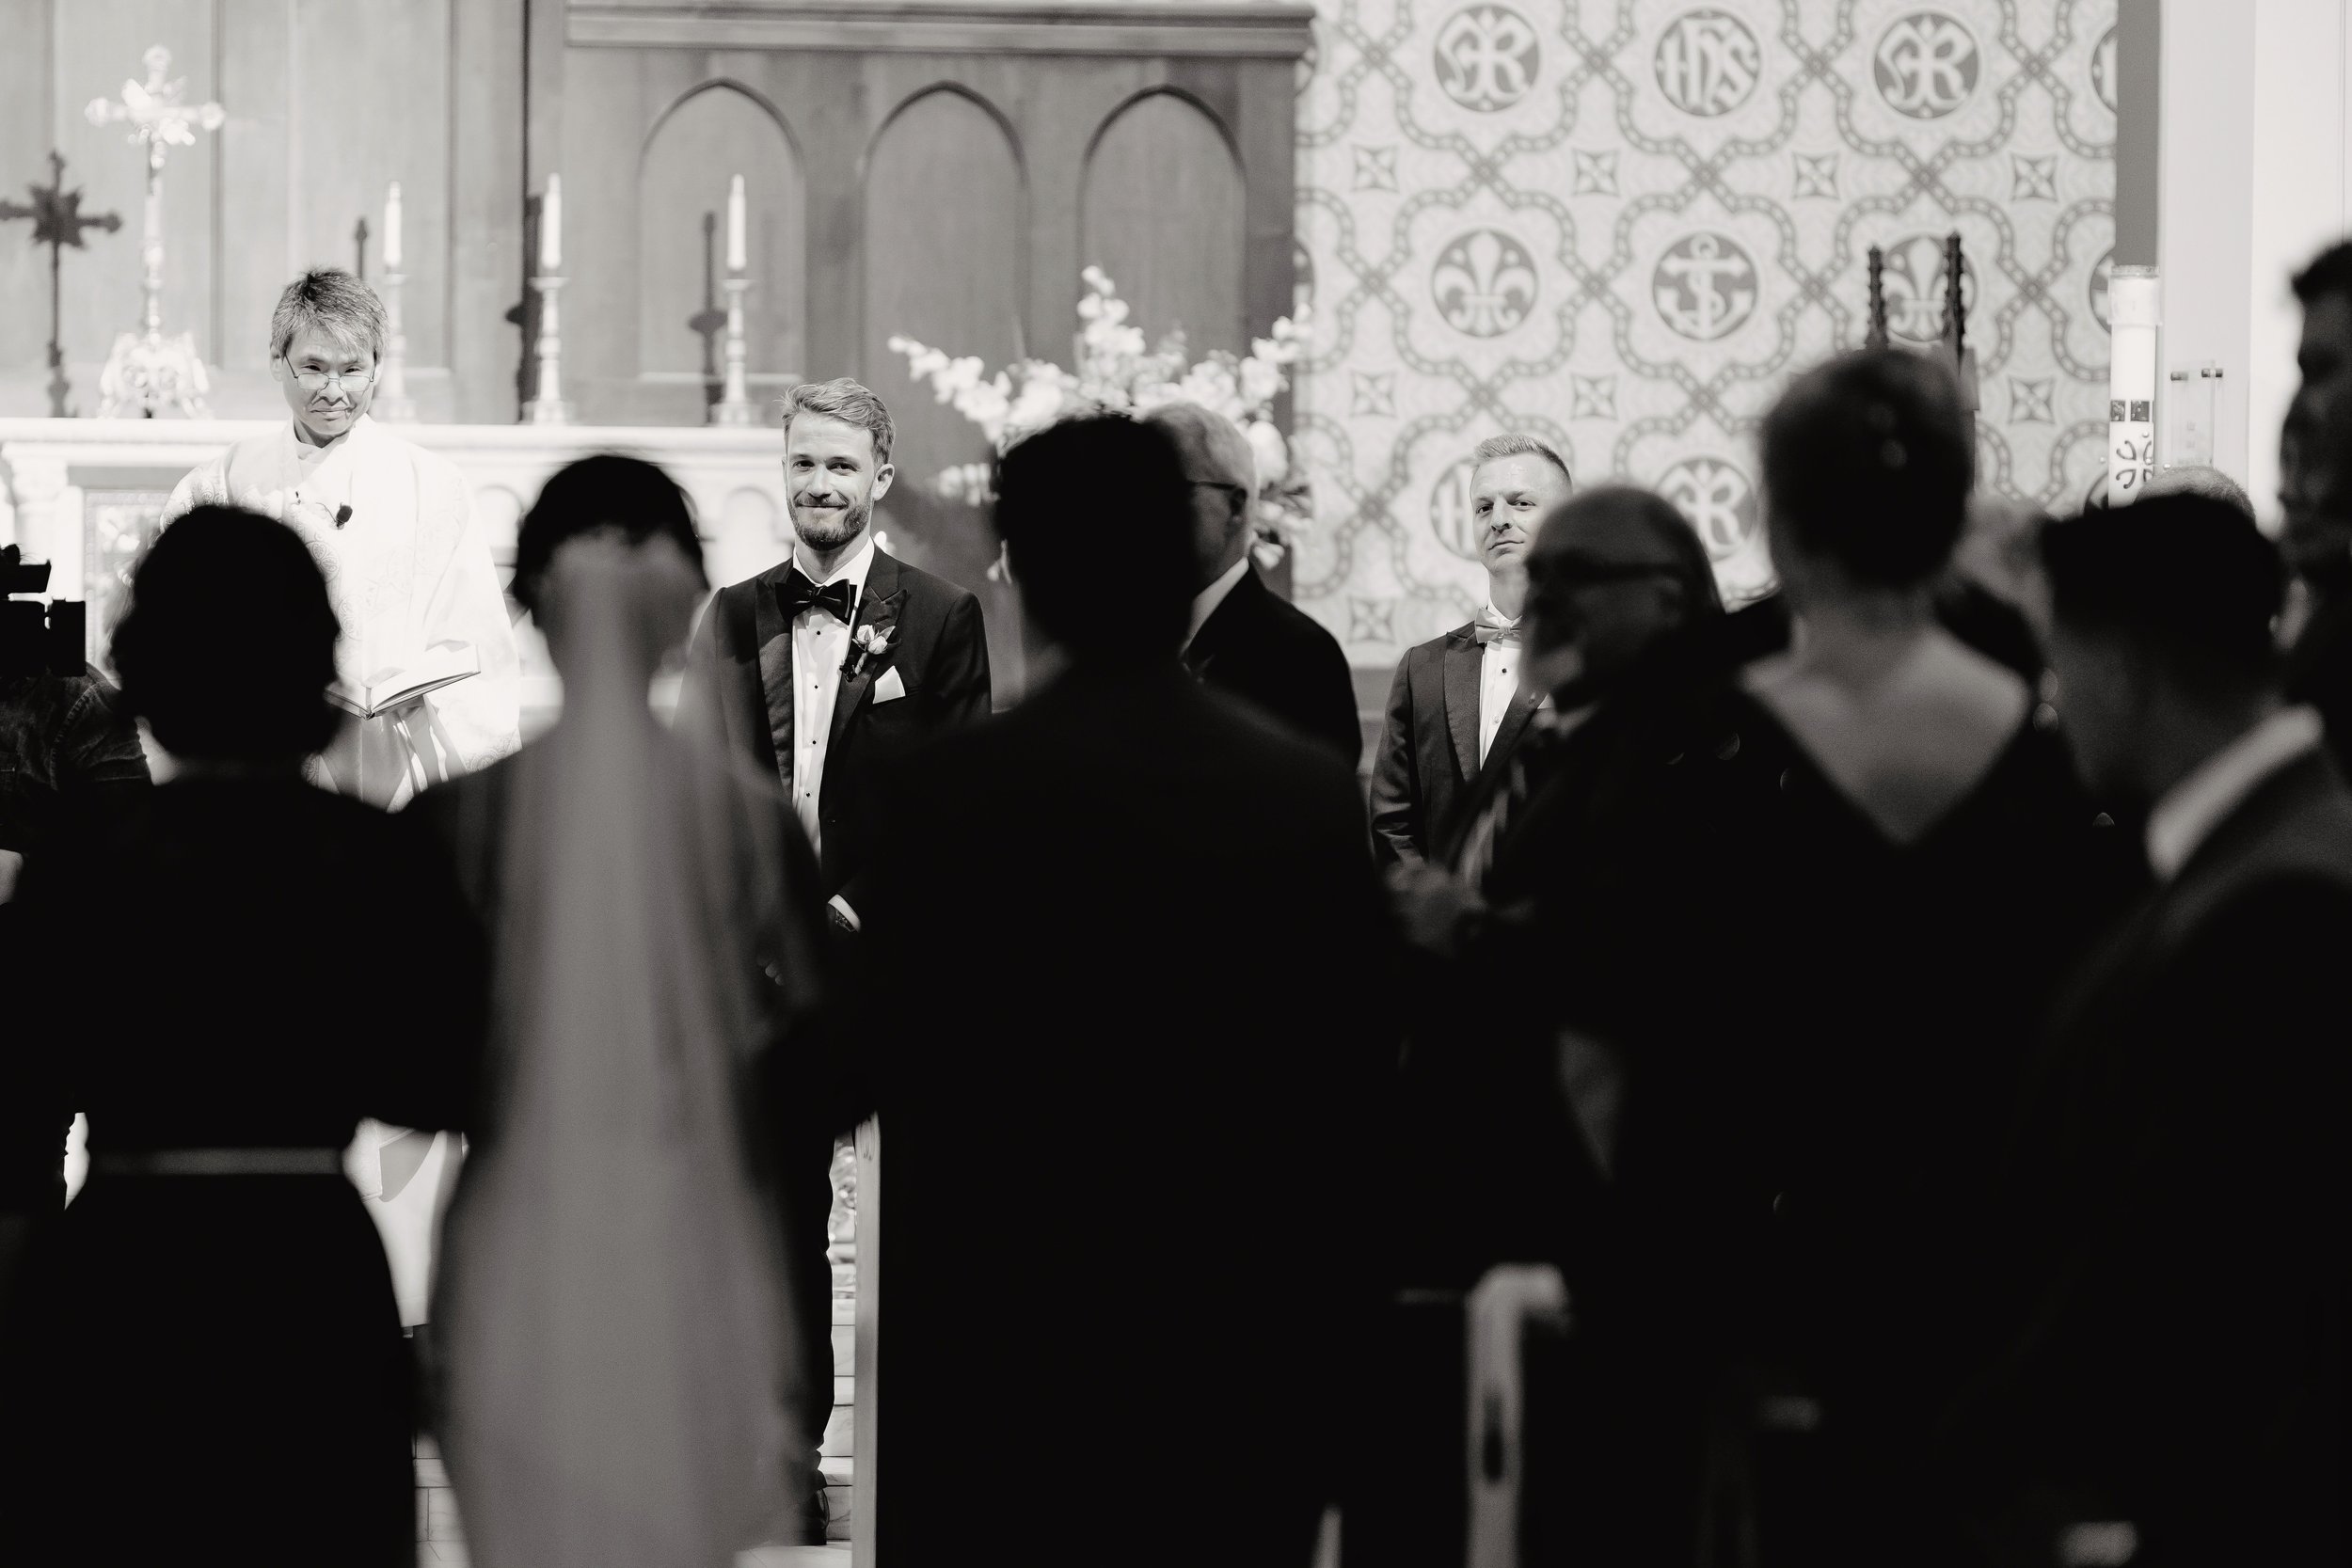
(393, 530)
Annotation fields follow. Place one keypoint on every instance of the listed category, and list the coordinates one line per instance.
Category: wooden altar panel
(718, 131)
(1163, 213)
(945, 204)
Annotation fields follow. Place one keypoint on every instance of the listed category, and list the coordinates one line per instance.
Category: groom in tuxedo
(820, 671)
(823, 667)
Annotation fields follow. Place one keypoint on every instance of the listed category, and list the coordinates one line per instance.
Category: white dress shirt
(1498, 682)
(2193, 808)
(820, 645)
(1205, 602)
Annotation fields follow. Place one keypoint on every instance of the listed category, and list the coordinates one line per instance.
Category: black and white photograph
(1175, 783)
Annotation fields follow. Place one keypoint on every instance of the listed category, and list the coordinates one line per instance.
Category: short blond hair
(847, 401)
(1514, 443)
(335, 302)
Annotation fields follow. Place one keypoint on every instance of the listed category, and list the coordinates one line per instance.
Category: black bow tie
(800, 593)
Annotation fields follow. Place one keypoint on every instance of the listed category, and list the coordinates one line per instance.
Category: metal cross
(147, 371)
(57, 222)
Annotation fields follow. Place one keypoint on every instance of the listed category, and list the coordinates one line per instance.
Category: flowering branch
(1117, 373)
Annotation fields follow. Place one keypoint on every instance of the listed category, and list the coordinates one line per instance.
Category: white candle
(2134, 311)
(736, 258)
(391, 229)
(551, 226)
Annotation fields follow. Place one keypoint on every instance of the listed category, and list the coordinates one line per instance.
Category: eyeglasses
(312, 381)
(1238, 492)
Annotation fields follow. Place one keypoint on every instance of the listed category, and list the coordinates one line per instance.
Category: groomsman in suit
(820, 671)
(2178, 1178)
(1457, 708)
(1243, 638)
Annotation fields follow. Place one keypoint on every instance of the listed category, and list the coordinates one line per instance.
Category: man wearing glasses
(1244, 638)
(393, 528)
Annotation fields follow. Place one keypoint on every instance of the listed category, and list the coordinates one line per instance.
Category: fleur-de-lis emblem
(1484, 283)
(1914, 288)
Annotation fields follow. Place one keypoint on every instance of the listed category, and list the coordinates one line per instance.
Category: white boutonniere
(867, 644)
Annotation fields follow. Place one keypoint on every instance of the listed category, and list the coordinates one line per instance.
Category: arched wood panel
(717, 131)
(1162, 210)
(946, 207)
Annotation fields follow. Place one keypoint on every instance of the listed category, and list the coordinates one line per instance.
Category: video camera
(36, 639)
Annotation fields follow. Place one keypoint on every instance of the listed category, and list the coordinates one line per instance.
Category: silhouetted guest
(1559, 919)
(235, 977)
(2315, 487)
(2177, 1188)
(616, 1242)
(1918, 869)
(70, 761)
(1456, 708)
(2198, 478)
(1152, 908)
(1242, 638)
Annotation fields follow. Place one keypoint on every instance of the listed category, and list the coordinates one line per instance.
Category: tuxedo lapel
(1462, 669)
(1209, 640)
(1516, 713)
(774, 657)
(878, 608)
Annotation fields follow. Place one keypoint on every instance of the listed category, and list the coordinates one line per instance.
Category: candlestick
(551, 227)
(547, 406)
(736, 407)
(391, 229)
(737, 258)
(391, 401)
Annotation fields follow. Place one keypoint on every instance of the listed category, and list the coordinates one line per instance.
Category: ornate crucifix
(57, 222)
(147, 370)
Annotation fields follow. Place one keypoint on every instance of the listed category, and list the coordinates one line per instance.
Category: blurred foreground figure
(2173, 1366)
(1540, 967)
(234, 978)
(1121, 1172)
(619, 1352)
(1923, 868)
(1243, 638)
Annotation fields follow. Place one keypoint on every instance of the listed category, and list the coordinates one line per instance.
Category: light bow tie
(1504, 632)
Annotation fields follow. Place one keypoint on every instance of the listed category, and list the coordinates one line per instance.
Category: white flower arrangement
(1117, 373)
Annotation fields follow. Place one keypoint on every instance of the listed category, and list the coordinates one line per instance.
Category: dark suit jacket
(2319, 670)
(1070, 874)
(1266, 651)
(1428, 758)
(741, 664)
(2178, 1183)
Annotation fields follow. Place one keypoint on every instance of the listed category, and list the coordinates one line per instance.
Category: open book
(396, 687)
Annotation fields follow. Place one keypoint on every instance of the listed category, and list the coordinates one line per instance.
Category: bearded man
(819, 671)
(821, 667)
(393, 528)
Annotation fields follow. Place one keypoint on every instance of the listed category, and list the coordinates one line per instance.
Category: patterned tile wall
(1624, 224)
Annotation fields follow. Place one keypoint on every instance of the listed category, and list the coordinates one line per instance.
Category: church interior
(1619, 225)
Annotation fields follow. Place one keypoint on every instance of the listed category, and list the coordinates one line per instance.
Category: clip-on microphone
(343, 514)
